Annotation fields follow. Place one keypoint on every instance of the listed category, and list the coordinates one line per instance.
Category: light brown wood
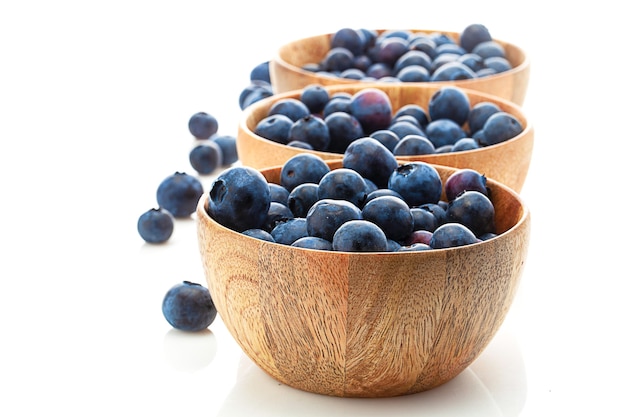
(365, 324)
(507, 162)
(287, 74)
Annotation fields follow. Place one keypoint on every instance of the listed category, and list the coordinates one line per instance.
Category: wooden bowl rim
(522, 66)
(248, 111)
(525, 215)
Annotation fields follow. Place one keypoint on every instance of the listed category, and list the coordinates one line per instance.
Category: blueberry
(453, 71)
(289, 230)
(500, 127)
(417, 182)
(359, 236)
(277, 212)
(239, 199)
(479, 114)
(437, 210)
(338, 59)
(371, 159)
(260, 234)
(343, 184)
(261, 72)
(301, 198)
(423, 219)
(326, 215)
(474, 210)
(279, 193)
(450, 235)
(424, 44)
(413, 74)
(414, 145)
(156, 225)
(392, 245)
(275, 127)
(379, 70)
(411, 58)
(290, 107)
(444, 132)
(465, 144)
(419, 236)
(188, 306)
(312, 130)
(336, 104)
(315, 97)
(391, 214)
(343, 129)
(415, 110)
(450, 48)
(474, 61)
(403, 128)
(202, 125)
(498, 64)
(228, 145)
(300, 145)
(449, 103)
(379, 193)
(253, 92)
(489, 49)
(301, 168)
(372, 108)
(206, 157)
(415, 247)
(179, 194)
(465, 179)
(312, 242)
(387, 137)
(350, 39)
(472, 35)
(391, 49)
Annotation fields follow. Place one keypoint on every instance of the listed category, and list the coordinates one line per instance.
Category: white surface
(94, 101)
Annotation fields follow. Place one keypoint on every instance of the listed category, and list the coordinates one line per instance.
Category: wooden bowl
(287, 74)
(365, 324)
(507, 162)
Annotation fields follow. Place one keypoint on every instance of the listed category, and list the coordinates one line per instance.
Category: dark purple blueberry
(289, 230)
(202, 125)
(369, 36)
(379, 70)
(414, 145)
(489, 49)
(479, 114)
(372, 108)
(301, 168)
(423, 219)
(416, 111)
(500, 127)
(391, 49)
(379, 193)
(239, 199)
(359, 236)
(474, 210)
(312, 242)
(371, 159)
(417, 182)
(450, 235)
(391, 214)
(290, 107)
(350, 39)
(261, 72)
(279, 193)
(413, 74)
(326, 215)
(155, 225)
(206, 157)
(362, 62)
(228, 145)
(335, 104)
(472, 35)
(311, 129)
(453, 71)
(465, 144)
(403, 128)
(315, 97)
(343, 129)
(387, 137)
(343, 184)
(275, 127)
(444, 132)
(338, 59)
(419, 236)
(253, 92)
(301, 198)
(188, 306)
(437, 210)
(259, 234)
(415, 247)
(277, 212)
(449, 103)
(179, 194)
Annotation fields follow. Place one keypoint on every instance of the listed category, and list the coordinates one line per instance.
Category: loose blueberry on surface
(179, 194)
(188, 306)
(261, 72)
(253, 92)
(239, 199)
(228, 145)
(155, 225)
(206, 157)
(202, 125)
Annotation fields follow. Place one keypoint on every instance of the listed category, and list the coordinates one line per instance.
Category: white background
(94, 103)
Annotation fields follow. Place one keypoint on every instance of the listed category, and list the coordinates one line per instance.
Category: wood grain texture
(365, 324)
(507, 162)
(287, 74)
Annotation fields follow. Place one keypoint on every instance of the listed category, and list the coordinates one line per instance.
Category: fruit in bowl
(471, 59)
(442, 115)
(379, 322)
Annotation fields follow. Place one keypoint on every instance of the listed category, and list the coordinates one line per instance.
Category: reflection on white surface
(189, 351)
(487, 388)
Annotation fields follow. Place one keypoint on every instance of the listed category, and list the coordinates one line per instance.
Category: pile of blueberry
(371, 204)
(321, 122)
(407, 56)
